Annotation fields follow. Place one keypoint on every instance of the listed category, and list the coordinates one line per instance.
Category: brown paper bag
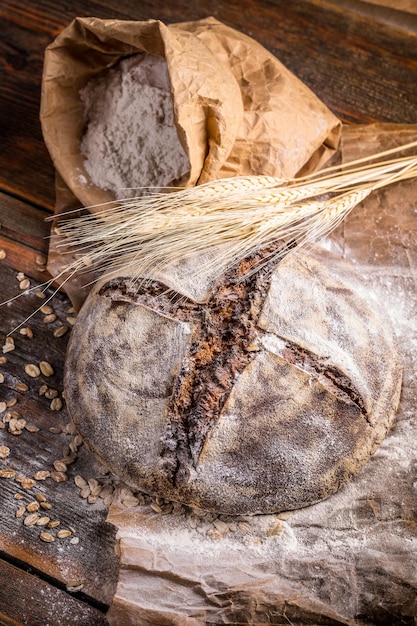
(237, 109)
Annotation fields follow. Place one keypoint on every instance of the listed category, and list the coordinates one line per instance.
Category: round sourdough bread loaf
(255, 395)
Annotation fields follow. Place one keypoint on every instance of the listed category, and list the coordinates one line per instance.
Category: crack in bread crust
(224, 340)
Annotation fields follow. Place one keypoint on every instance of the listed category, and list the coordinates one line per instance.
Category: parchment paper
(351, 559)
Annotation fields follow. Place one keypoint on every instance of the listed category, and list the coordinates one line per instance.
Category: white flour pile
(131, 141)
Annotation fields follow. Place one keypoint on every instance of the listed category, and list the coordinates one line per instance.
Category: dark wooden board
(92, 560)
(37, 603)
(363, 70)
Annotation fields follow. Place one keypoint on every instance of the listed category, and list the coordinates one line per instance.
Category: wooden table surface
(363, 67)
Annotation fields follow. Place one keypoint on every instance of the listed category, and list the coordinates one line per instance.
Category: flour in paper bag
(131, 141)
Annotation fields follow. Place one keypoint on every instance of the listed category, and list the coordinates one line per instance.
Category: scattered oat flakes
(32, 507)
(24, 284)
(8, 345)
(51, 393)
(1, 377)
(48, 319)
(63, 533)
(53, 523)
(21, 387)
(47, 537)
(71, 320)
(40, 295)
(56, 404)
(20, 511)
(59, 466)
(55, 430)
(31, 519)
(40, 497)
(80, 481)
(43, 389)
(59, 477)
(46, 309)
(20, 276)
(74, 540)
(28, 483)
(43, 521)
(2, 253)
(46, 506)
(32, 428)
(4, 452)
(7, 472)
(26, 332)
(32, 370)
(75, 586)
(61, 331)
(3, 407)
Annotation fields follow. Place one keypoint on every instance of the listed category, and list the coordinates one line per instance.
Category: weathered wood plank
(92, 559)
(363, 70)
(27, 600)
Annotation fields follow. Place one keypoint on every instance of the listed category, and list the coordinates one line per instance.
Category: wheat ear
(143, 235)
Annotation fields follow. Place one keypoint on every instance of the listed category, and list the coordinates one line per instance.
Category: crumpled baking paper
(350, 559)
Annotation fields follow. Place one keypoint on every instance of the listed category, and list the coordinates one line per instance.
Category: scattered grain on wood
(46, 309)
(20, 511)
(63, 533)
(21, 387)
(61, 331)
(40, 497)
(43, 521)
(7, 472)
(4, 452)
(47, 537)
(31, 519)
(26, 332)
(42, 475)
(80, 481)
(60, 466)
(54, 523)
(51, 393)
(59, 477)
(48, 319)
(24, 284)
(32, 370)
(46, 368)
(32, 428)
(1, 377)
(32, 507)
(2, 253)
(56, 404)
(3, 407)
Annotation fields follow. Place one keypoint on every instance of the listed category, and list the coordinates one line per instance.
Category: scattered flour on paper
(131, 141)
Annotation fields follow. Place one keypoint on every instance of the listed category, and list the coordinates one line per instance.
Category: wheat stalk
(142, 235)
(240, 215)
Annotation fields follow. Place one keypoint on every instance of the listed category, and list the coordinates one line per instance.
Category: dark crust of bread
(230, 426)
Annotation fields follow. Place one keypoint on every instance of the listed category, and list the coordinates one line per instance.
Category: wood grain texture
(363, 70)
(37, 603)
(92, 560)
